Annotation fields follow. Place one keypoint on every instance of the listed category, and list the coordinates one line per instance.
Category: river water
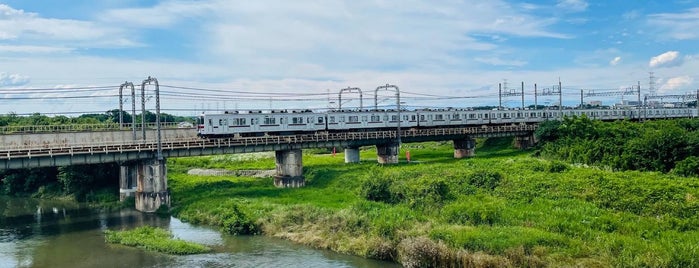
(51, 233)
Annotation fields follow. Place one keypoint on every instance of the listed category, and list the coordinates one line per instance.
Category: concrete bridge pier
(387, 153)
(289, 169)
(525, 142)
(352, 155)
(464, 148)
(127, 181)
(151, 190)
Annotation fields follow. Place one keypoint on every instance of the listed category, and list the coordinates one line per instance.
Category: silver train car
(258, 123)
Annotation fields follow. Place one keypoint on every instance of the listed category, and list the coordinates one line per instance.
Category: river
(54, 233)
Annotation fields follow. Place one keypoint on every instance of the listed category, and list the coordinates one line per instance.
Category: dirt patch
(238, 173)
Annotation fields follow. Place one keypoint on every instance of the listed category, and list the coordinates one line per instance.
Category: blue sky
(451, 48)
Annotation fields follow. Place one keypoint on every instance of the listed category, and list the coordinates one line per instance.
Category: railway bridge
(141, 155)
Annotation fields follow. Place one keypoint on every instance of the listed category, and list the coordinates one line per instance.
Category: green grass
(501, 208)
(154, 239)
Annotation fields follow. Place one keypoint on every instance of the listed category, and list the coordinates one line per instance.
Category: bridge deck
(173, 147)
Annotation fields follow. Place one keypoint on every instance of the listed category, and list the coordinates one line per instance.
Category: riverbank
(501, 208)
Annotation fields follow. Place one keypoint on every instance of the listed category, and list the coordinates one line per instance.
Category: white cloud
(496, 61)
(674, 84)
(340, 35)
(572, 5)
(162, 15)
(7, 79)
(679, 26)
(33, 49)
(667, 59)
(615, 61)
(31, 29)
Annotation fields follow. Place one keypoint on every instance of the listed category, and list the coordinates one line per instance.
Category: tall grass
(501, 208)
(154, 239)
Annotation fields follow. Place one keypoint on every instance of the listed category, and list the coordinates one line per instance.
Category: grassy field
(501, 208)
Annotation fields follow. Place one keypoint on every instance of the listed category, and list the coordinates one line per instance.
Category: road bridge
(144, 175)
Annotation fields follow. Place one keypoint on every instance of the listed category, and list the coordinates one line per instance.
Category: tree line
(111, 116)
(662, 145)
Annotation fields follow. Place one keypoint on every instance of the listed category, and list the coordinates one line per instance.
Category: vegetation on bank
(97, 183)
(154, 239)
(662, 145)
(501, 208)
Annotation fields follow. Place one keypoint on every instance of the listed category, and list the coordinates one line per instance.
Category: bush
(557, 167)
(237, 223)
(378, 189)
(485, 179)
(689, 167)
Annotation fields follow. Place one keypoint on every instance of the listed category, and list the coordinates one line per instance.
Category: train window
(412, 118)
(270, 120)
(353, 118)
(394, 118)
(385, 118)
(297, 120)
(422, 117)
(364, 118)
(375, 118)
(473, 116)
(457, 117)
(342, 119)
(320, 120)
(439, 117)
(210, 122)
(331, 119)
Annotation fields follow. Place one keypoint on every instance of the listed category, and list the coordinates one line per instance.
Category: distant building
(185, 125)
(630, 103)
(595, 103)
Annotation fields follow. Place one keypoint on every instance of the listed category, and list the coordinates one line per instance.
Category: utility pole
(500, 96)
(522, 95)
(157, 114)
(639, 98)
(560, 99)
(350, 89)
(651, 84)
(376, 104)
(536, 105)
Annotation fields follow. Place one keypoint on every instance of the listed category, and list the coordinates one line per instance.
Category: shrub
(378, 189)
(557, 167)
(237, 223)
(689, 167)
(485, 179)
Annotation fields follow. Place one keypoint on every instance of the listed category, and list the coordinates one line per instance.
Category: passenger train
(258, 123)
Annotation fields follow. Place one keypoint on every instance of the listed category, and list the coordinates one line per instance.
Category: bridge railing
(194, 142)
(37, 129)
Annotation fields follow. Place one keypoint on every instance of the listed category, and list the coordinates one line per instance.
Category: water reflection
(41, 233)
